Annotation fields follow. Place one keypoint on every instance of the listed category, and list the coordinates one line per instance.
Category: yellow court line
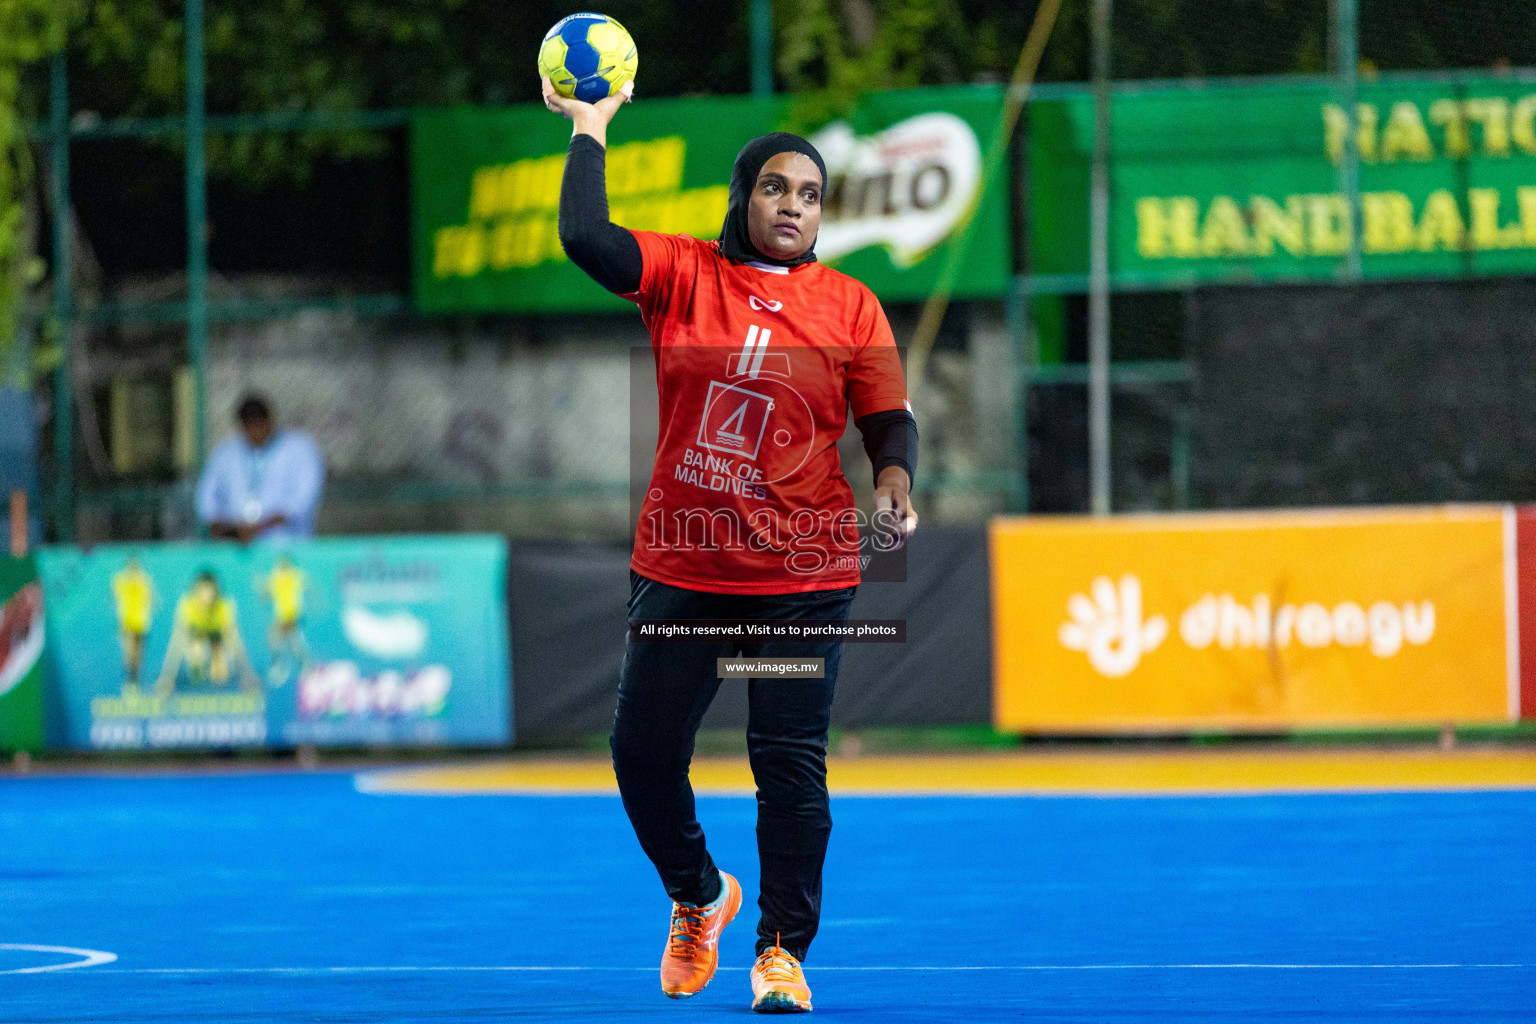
(1018, 772)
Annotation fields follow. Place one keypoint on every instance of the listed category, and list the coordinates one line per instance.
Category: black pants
(664, 690)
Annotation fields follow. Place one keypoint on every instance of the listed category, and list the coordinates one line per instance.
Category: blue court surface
(293, 897)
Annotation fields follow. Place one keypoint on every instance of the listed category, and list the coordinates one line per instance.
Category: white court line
(88, 957)
(815, 968)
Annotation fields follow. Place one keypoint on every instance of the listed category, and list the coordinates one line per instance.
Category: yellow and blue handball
(588, 56)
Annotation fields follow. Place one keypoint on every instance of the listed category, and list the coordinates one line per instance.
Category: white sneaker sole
(779, 1001)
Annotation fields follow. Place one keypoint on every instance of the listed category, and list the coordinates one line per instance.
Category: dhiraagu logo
(1110, 625)
(1109, 628)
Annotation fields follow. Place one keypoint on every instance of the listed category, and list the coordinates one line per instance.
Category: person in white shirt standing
(261, 482)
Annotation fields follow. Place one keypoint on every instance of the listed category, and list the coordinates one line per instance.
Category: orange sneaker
(778, 984)
(693, 948)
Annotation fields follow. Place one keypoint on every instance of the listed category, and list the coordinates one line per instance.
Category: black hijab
(735, 240)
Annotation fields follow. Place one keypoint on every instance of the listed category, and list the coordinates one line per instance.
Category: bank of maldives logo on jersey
(734, 420)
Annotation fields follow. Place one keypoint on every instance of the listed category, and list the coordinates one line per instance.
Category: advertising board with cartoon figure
(346, 642)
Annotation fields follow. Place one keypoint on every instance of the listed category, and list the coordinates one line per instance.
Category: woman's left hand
(587, 118)
(894, 513)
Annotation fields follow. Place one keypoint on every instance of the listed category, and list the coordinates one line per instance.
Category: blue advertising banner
(339, 642)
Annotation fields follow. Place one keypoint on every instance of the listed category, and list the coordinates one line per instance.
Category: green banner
(905, 171)
(1244, 182)
(21, 660)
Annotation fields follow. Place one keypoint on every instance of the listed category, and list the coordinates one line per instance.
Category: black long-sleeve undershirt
(608, 253)
(611, 256)
(890, 439)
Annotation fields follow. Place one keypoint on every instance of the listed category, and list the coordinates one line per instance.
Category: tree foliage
(126, 58)
(832, 51)
(307, 55)
(825, 45)
(264, 55)
(29, 30)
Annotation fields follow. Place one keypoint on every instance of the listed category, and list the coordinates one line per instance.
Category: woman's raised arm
(608, 253)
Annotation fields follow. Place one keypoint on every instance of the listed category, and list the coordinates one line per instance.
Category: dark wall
(1377, 394)
(568, 620)
(1143, 421)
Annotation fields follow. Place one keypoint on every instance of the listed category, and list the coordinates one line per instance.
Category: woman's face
(785, 210)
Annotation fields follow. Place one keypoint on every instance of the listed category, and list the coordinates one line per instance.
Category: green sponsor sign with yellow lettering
(1244, 182)
(905, 170)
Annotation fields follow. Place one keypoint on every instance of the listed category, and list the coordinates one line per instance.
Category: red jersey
(756, 368)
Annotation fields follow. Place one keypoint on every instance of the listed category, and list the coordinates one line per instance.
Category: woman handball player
(760, 352)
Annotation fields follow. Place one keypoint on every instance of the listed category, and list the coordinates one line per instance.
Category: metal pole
(1346, 46)
(1178, 458)
(762, 48)
(1025, 354)
(1098, 270)
(197, 231)
(63, 301)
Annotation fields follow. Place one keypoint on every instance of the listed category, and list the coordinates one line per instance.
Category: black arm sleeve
(890, 438)
(608, 253)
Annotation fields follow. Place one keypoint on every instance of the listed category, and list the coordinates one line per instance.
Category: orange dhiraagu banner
(1255, 620)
